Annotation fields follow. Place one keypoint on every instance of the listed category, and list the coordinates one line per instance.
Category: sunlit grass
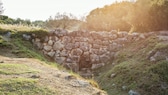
(19, 27)
(9, 69)
(23, 86)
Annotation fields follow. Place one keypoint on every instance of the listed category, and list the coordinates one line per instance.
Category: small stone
(35, 76)
(1, 61)
(131, 92)
(124, 87)
(47, 48)
(70, 77)
(113, 75)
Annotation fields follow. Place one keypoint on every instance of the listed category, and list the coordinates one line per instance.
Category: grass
(23, 86)
(134, 70)
(10, 69)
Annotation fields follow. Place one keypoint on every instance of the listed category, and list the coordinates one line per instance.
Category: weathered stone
(64, 53)
(96, 66)
(37, 40)
(84, 46)
(60, 60)
(47, 48)
(163, 33)
(86, 56)
(142, 36)
(131, 92)
(51, 53)
(75, 58)
(102, 51)
(121, 40)
(122, 34)
(76, 45)
(50, 42)
(66, 39)
(56, 38)
(72, 66)
(95, 46)
(60, 32)
(94, 51)
(69, 46)
(98, 42)
(46, 39)
(104, 58)
(57, 53)
(38, 45)
(94, 58)
(26, 36)
(58, 46)
(163, 38)
(76, 52)
(113, 75)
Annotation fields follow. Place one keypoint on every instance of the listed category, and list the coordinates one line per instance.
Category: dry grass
(18, 27)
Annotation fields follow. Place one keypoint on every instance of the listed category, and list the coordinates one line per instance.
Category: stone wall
(81, 50)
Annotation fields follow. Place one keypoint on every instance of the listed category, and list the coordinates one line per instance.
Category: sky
(43, 9)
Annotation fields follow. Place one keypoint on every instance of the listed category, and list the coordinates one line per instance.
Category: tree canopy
(142, 16)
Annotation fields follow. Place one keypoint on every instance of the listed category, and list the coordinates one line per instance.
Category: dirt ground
(64, 82)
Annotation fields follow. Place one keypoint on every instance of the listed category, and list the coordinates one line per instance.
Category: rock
(94, 58)
(104, 58)
(124, 87)
(142, 36)
(7, 35)
(163, 33)
(66, 39)
(26, 37)
(51, 53)
(131, 92)
(122, 34)
(69, 46)
(46, 39)
(84, 46)
(70, 77)
(112, 75)
(64, 53)
(47, 48)
(72, 66)
(58, 46)
(38, 45)
(35, 76)
(50, 42)
(60, 32)
(76, 45)
(96, 66)
(37, 40)
(96, 46)
(75, 58)
(79, 83)
(1, 61)
(76, 52)
(163, 38)
(60, 60)
(85, 56)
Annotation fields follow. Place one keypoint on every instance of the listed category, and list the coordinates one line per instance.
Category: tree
(65, 21)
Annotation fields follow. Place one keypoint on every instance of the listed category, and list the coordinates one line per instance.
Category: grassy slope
(133, 70)
(17, 47)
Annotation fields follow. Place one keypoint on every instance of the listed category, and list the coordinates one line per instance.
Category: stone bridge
(81, 50)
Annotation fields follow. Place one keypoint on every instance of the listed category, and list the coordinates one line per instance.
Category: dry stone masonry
(81, 50)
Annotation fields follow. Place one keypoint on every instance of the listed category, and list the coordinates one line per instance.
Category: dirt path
(65, 83)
